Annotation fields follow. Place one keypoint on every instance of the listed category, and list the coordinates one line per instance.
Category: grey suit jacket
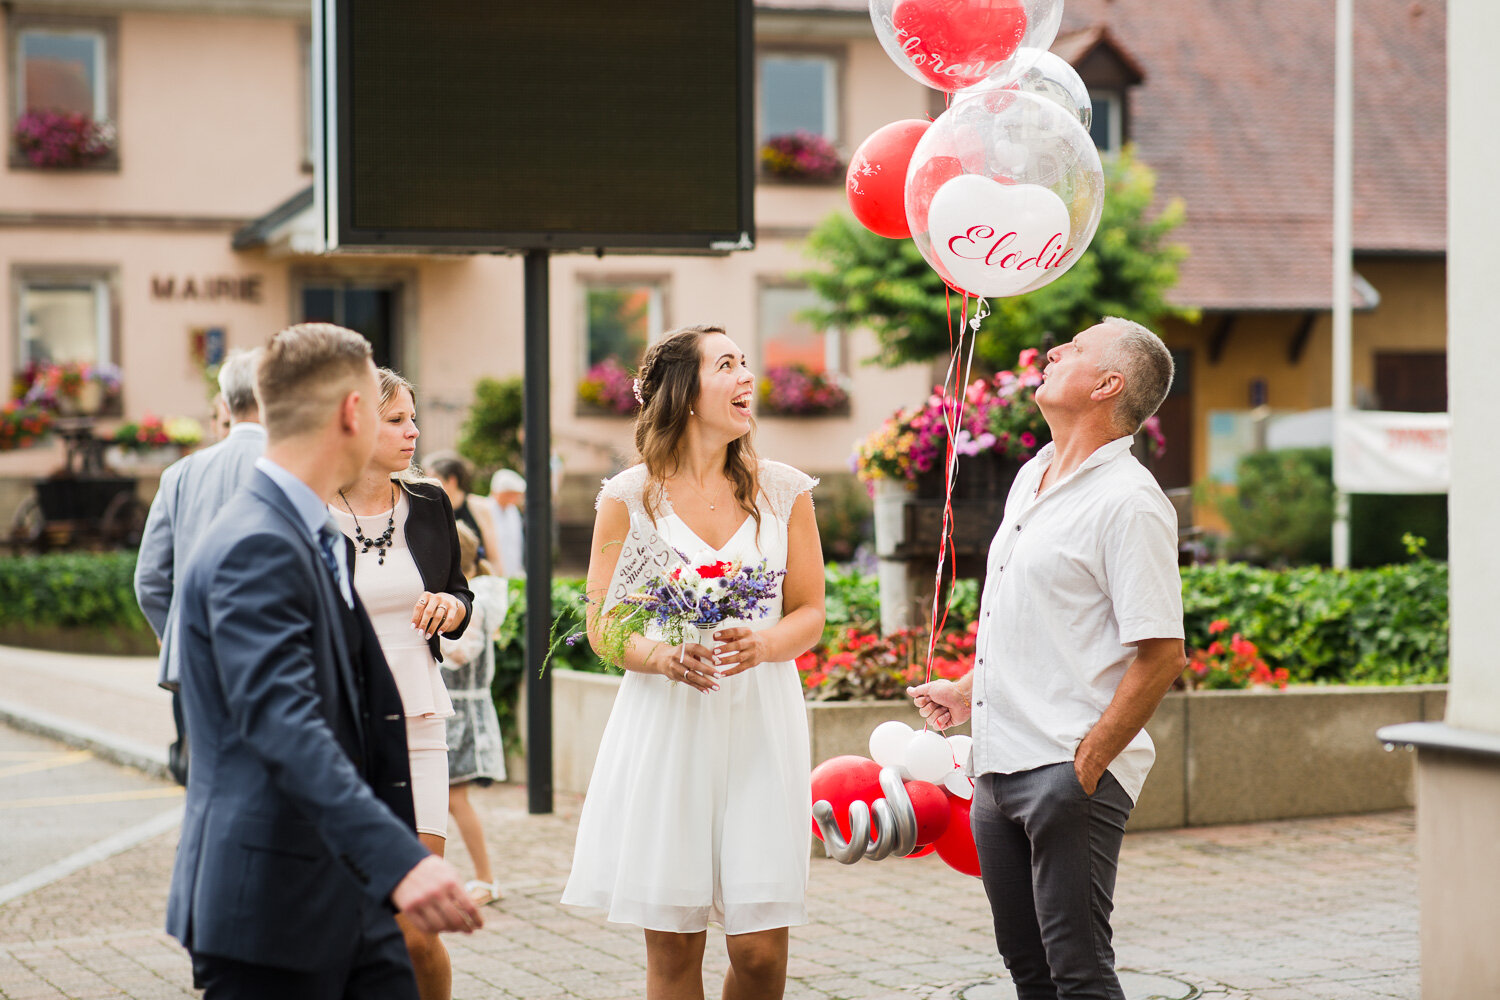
(192, 491)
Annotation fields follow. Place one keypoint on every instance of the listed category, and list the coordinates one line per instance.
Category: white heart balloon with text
(996, 239)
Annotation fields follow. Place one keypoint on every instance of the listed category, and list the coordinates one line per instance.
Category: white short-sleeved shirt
(1075, 576)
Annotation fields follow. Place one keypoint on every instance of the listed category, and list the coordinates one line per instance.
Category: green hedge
(71, 590)
(1387, 625)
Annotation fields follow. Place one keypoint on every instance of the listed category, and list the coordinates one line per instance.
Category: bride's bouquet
(676, 597)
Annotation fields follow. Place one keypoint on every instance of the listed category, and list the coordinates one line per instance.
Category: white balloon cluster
(924, 756)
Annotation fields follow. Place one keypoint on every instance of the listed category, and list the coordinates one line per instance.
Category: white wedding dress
(698, 809)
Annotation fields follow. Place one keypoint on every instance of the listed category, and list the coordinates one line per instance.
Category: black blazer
(299, 819)
(433, 540)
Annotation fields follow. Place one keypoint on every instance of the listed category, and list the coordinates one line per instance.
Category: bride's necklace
(379, 544)
(712, 504)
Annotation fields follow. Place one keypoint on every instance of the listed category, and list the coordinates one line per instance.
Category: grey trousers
(1048, 854)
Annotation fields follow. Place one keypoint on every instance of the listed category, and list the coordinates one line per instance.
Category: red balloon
(922, 851)
(931, 806)
(956, 845)
(842, 780)
(876, 182)
(923, 184)
(957, 43)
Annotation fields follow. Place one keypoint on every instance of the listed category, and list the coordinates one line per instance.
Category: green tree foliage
(618, 320)
(885, 285)
(491, 436)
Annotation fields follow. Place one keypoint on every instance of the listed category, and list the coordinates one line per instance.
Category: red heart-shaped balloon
(956, 43)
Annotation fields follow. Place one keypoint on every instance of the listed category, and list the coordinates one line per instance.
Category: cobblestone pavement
(1319, 909)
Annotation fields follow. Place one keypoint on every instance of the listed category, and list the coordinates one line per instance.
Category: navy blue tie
(329, 536)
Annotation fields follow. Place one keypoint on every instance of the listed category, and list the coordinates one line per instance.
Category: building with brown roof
(1232, 105)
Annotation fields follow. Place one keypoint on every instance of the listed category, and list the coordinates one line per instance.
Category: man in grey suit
(298, 836)
(192, 491)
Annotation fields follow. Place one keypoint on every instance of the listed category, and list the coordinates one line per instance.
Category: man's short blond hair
(305, 372)
(1144, 360)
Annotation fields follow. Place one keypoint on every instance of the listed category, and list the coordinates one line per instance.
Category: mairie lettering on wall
(246, 288)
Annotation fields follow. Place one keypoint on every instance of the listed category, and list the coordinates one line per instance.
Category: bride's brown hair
(667, 387)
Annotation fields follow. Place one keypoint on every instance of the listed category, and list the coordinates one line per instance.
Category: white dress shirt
(314, 513)
(1075, 576)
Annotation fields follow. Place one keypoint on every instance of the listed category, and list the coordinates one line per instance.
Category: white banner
(1385, 452)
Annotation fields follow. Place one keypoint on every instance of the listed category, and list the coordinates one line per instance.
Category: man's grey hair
(1144, 360)
(237, 383)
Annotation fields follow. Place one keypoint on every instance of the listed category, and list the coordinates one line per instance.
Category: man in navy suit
(298, 843)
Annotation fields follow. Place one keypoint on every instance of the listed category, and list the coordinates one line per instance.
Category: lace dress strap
(781, 485)
(629, 487)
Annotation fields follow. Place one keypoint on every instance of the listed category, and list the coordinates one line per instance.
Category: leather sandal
(483, 893)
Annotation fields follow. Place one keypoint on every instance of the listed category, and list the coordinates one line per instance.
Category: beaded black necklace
(381, 543)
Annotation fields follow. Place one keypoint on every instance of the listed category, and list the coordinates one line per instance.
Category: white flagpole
(1343, 265)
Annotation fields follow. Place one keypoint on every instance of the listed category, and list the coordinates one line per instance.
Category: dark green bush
(1283, 512)
(1377, 522)
(491, 433)
(845, 516)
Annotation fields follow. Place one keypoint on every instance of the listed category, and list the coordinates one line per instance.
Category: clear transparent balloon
(1049, 76)
(952, 44)
(1004, 193)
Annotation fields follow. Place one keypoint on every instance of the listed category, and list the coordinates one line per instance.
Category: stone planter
(134, 461)
(1221, 756)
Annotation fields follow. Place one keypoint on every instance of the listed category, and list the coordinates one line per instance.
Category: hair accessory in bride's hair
(639, 386)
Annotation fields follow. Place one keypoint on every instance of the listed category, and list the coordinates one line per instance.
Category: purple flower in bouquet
(703, 592)
(697, 593)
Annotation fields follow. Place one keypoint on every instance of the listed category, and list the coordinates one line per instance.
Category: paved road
(57, 801)
(1303, 910)
(1320, 909)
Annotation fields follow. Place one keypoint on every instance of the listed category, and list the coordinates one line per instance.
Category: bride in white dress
(698, 809)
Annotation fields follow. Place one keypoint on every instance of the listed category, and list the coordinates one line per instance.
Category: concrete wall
(1458, 813)
(1222, 756)
(1248, 756)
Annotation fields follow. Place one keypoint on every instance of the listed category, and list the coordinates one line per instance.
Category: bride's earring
(692, 412)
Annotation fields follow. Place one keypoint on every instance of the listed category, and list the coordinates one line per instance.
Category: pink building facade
(192, 234)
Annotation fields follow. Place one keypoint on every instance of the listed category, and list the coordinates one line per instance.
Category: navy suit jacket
(299, 814)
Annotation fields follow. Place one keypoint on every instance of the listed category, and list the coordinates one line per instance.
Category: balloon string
(953, 407)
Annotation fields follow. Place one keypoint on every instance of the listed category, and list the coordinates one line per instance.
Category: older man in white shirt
(1080, 636)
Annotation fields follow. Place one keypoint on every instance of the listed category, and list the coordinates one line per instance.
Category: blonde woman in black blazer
(408, 573)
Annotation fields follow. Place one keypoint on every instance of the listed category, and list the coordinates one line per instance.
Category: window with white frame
(798, 93)
(621, 318)
(788, 340)
(64, 317)
(1107, 128)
